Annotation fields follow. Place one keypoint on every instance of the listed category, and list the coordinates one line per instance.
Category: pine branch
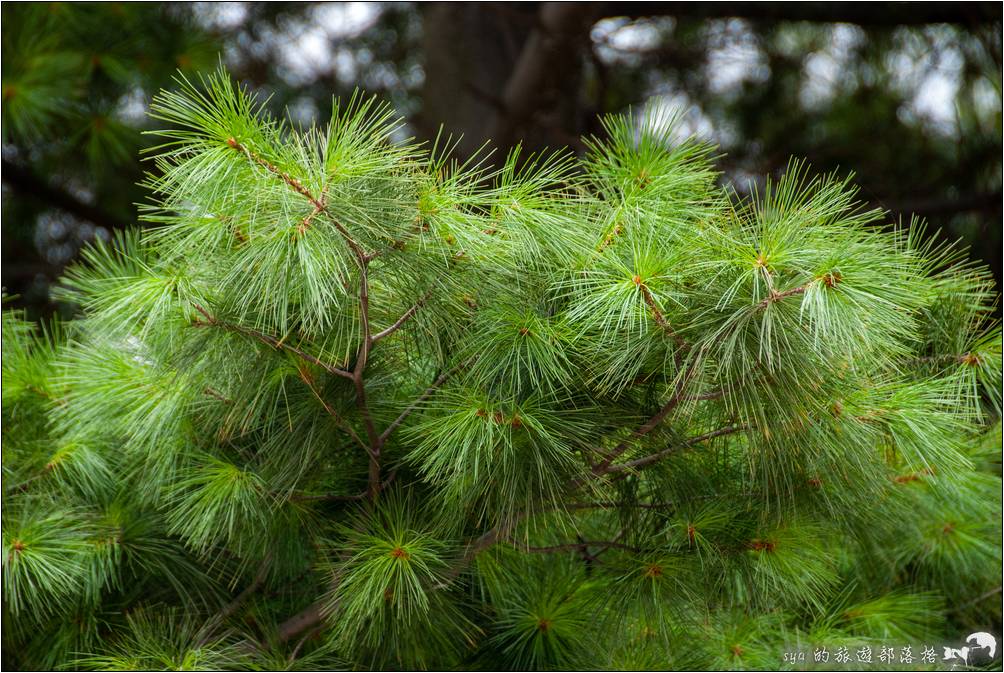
(491, 536)
(776, 296)
(400, 321)
(368, 339)
(268, 339)
(655, 457)
(440, 380)
(575, 546)
(657, 314)
(298, 187)
(568, 348)
(652, 423)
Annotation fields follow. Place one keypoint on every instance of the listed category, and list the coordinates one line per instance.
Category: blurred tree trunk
(507, 72)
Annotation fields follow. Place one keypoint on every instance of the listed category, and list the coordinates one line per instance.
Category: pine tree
(74, 80)
(349, 403)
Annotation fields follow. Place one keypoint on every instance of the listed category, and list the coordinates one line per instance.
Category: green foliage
(353, 403)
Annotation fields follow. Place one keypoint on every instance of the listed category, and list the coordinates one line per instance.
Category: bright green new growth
(348, 402)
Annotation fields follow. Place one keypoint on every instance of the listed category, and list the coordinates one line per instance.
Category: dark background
(905, 95)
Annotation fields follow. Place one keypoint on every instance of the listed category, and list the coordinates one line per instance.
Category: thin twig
(776, 296)
(230, 608)
(572, 546)
(650, 424)
(403, 319)
(298, 187)
(660, 319)
(307, 636)
(976, 600)
(268, 340)
(714, 395)
(619, 505)
(375, 443)
(648, 460)
(339, 421)
(421, 398)
(211, 392)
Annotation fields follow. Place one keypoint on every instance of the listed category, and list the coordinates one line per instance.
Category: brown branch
(965, 358)
(714, 395)
(304, 225)
(483, 542)
(403, 319)
(307, 636)
(298, 187)
(655, 457)
(267, 339)
(575, 546)
(362, 259)
(976, 600)
(286, 177)
(230, 608)
(649, 425)
(339, 421)
(375, 443)
(306, 619)
(776, 296)
(660, 319)
(619, 505)
(217, 395)
(421, 398)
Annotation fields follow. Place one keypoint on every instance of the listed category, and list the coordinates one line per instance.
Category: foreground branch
(230, 608)
(421, 398)
(575, 546)
(658, 315)
(267, 339)
(655, 457)
(403, 319)
(297, 186)
(678, 395)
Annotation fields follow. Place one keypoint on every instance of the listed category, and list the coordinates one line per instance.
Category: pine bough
(349, 402)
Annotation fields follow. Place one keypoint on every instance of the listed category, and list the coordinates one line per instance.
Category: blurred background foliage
(905, 95)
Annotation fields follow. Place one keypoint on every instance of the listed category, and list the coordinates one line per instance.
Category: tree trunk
(505, 72)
